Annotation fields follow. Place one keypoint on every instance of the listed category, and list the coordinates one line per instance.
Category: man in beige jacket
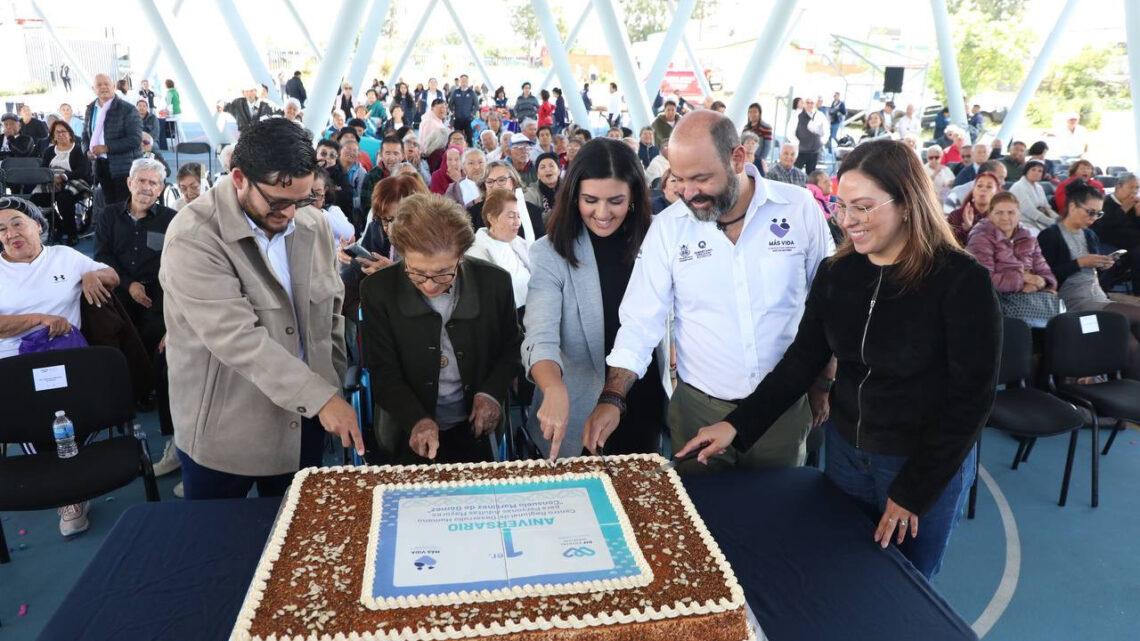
(255, 340)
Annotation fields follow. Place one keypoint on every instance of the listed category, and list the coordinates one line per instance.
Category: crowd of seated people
(469, 249)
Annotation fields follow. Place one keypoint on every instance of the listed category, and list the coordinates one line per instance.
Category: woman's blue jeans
(866, 477)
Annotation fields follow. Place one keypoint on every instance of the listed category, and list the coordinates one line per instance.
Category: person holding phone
(1073, 252)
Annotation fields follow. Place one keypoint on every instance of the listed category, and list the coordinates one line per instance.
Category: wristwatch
(823, 384)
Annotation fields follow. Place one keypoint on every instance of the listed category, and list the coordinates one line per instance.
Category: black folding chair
(96, 394)
(30, 177)
(15, 163)
(1025, 412)
(1093, 344)
(194, 148)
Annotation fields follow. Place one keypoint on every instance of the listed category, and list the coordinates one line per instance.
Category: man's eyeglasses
(281, 204)
(861, 213)
(420, 278)
(1095, 213)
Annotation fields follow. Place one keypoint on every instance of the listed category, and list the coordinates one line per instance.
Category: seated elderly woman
(1036, 214)
(449, 173)
(191, 177)
(441, 338)
(466, 190)
(499, 242)
(501, 175)
(40, 304)
(670, 191)
(1014, 259)
(65, 157)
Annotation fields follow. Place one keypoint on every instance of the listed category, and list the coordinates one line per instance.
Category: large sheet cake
(604, 550)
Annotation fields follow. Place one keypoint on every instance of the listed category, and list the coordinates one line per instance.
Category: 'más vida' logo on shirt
(780, 229)
(702, 250)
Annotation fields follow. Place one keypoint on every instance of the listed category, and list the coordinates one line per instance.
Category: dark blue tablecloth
(803, 552)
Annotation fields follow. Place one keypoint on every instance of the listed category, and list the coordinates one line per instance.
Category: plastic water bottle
(64, 433)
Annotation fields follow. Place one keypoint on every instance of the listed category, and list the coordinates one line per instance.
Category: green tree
(1085, 84)
(390, 28)
(995, 9)
(524, 22)
(646, 17)
(991, 54)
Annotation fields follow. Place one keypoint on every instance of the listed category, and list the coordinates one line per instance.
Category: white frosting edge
(483, 596)
(273, 551)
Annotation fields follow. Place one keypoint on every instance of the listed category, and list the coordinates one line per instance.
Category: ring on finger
(903, 523)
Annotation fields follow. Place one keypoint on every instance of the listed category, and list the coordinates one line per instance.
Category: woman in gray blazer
(580, 270)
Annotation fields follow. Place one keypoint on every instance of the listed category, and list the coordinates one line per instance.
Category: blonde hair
(431, 224)
(495, 203)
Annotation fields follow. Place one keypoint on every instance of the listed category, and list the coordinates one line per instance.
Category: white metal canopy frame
(340, 62)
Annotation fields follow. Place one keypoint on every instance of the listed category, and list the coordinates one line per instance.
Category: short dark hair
(989, 166)
(600, 158)
(1037, 148)
(671, 102)
(544, 94)
(525, 85)
(613, 85)
(296, 73)
(725, 138)
(325, 142)
(546, 128)
(392, 139)
(717, 104)
(347, 131)
(274, 151)
(438, 101)
(61, 123)
(357, 122)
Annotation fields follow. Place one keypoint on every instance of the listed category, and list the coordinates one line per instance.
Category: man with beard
(128, 238)
(253, 308)
(733, 260)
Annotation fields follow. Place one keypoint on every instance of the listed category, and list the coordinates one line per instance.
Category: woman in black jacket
(915, 326)
(441, 338)
(65, 156)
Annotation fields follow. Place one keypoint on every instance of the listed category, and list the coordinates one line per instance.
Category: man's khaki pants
(784, 445)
